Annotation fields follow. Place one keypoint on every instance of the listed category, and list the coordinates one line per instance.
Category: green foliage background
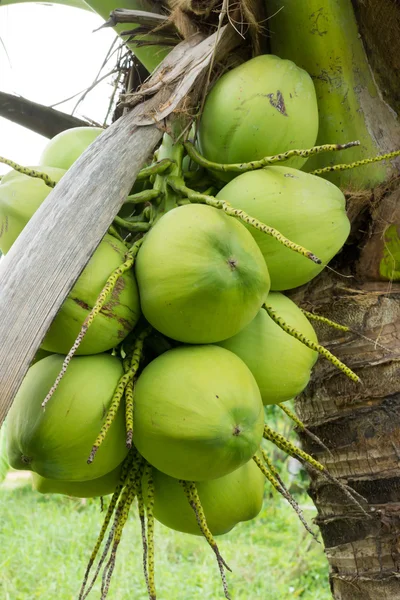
(45, 543)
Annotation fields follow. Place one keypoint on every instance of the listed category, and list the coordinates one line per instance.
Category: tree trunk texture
(359, 424)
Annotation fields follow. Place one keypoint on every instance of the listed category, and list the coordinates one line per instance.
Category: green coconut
(20, 197)
(307, 209)
(264, 107)
(280, 364)
(226, 501)
(102, 486)
(56, 442)
(201, 277)
(117, 317)
(66, 147)
(198, 413)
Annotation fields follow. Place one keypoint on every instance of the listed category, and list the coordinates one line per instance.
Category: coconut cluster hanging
(151, 382)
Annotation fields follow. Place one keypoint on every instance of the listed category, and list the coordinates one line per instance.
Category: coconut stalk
(57, 243)
(322, 37)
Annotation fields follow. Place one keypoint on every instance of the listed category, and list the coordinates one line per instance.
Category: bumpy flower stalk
(107, 518)
(263, 162)
(190, 489)
(100, 302)
(123, 513)
(310, 344)
(150, 531)
(129, 413)
(29, 172)
(193, 196)
(272, 475)
(313, 317)
(302, 427)
(120, 512)
(142, 517)
(287, 446)
(119, 392)
(358, 163)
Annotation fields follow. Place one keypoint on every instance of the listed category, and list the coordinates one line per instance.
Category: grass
(45, 542)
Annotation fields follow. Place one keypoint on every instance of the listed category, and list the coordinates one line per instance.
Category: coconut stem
(159, 167)
(190, 489)
(172, 151)
(131, 486)
(112, 231)
(272, 475)
(142, 518)
(129, 413)
(150, 530)
(310, 344)
(263, 162)
(287, 446)
(358, 163)
(122, 517)
(126, 467)
(101, 300)
(118, 393)
(313, 317)
(193, 196)
(29, 172)
(134, 226)
(142, 197)
(302, 427)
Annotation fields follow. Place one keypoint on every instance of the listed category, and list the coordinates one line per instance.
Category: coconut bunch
(152, 380)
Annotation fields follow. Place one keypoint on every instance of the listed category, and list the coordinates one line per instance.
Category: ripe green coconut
(66, 147)
(265, 106)
(280, 364)
(201, 277)
(102, 486)
(198, 413)
(56, 442)
(307, 209)
(226, 501)
(20, 197)
(117, 317)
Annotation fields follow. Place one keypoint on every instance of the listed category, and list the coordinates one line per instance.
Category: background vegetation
(45, 543)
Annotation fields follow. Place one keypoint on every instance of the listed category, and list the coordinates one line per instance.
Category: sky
(48, 53)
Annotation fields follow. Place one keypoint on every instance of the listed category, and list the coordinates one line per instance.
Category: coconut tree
(351, 50)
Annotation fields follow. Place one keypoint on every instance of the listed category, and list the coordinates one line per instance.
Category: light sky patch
(52, 54)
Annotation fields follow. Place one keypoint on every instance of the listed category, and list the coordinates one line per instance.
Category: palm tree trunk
(359, 424)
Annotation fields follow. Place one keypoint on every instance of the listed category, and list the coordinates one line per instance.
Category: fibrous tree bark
(360, 424)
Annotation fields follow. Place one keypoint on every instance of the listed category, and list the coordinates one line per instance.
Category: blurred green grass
(45, 543)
